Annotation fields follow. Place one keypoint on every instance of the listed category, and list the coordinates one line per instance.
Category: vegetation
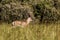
(32, 32)
(43, 10)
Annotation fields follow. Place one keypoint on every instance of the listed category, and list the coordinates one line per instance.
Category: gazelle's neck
(29, 20)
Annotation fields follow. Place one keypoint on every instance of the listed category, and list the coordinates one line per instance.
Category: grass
(32, 32)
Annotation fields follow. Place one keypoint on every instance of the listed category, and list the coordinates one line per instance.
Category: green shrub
(46, 12)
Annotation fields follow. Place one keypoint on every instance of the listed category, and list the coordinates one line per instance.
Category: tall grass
(32, 32)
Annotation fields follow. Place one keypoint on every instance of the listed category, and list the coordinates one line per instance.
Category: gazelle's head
(29, 20)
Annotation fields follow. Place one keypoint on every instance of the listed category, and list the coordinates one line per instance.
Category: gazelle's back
(16, 23)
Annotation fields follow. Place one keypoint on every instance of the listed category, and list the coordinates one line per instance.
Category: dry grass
(32, 32)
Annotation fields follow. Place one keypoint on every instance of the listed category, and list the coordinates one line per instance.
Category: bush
(46, 12)
(42, 10)
(15, 11)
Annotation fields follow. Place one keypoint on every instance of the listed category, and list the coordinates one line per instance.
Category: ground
(32, 32)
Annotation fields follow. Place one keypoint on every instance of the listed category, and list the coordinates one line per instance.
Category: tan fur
(21, 23)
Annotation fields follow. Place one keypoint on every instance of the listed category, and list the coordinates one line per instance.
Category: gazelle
(22, 23)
